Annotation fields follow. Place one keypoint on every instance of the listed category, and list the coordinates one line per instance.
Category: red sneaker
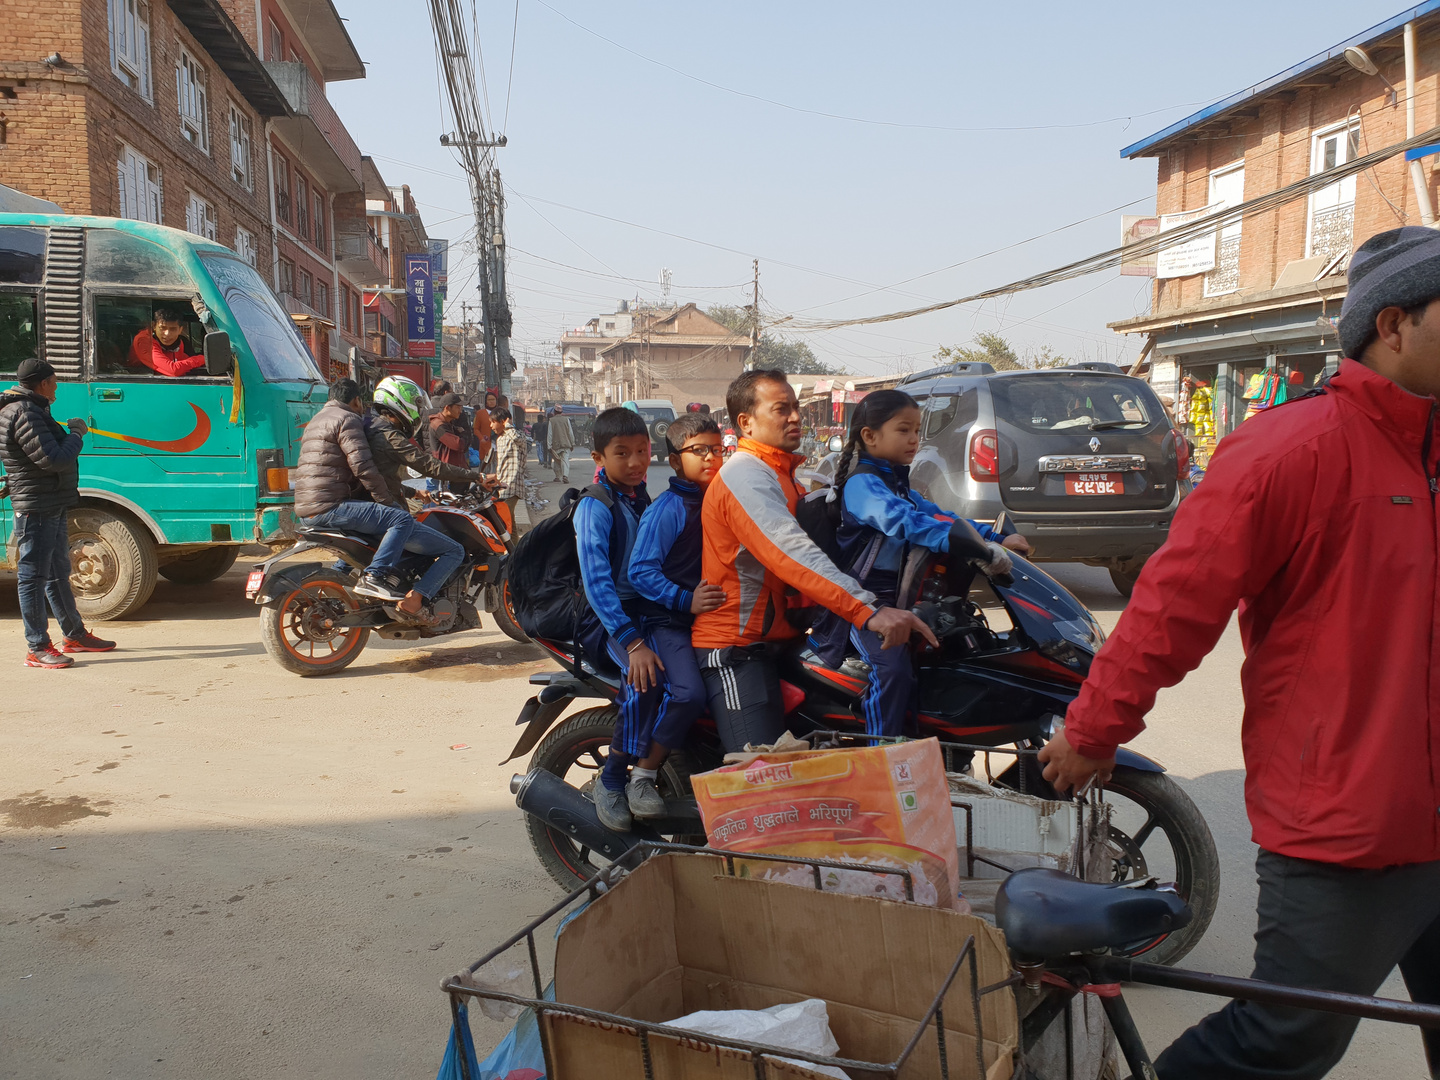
(87, 642)
(47, 657)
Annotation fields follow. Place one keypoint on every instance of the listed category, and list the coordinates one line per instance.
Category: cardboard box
(679, 935)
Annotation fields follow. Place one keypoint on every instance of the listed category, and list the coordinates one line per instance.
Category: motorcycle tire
(504, 613)
(1197, 866)
(295, 643)
(586, 736)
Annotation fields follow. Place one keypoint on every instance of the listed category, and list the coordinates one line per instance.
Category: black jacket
(392, 449)
(41, 457)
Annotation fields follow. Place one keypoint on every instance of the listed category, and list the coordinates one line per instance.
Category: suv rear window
(1067, 403)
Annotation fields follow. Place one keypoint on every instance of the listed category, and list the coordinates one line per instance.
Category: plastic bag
(801, 1025)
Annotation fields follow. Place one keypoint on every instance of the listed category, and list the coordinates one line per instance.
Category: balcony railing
(359, 253)
(338, 164)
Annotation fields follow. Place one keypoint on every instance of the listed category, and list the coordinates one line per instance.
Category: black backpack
(545, 584)
(821, 521)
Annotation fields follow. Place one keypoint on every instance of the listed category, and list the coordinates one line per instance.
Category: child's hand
(707, 598)
(645, 668)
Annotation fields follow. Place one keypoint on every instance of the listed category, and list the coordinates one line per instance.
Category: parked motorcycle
(311, 621)
(1013, 653)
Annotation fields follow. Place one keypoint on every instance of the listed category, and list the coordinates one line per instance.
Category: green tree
(774, 351)
(994, 350)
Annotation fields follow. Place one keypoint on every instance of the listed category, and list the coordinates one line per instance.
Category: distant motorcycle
(311, 621)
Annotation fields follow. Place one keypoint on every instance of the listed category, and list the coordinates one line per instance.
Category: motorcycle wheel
(504, 613)
(1158, 804)
(575, 751)
(293, 632)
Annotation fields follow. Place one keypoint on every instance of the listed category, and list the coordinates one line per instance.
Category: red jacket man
(1318, 519)
(160, 347)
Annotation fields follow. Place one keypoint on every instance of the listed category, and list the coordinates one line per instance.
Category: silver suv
(1082, 458)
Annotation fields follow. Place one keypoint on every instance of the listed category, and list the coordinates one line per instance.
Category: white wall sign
(1190, 257)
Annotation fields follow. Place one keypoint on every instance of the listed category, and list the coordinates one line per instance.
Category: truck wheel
(113, 564)
(201, 566)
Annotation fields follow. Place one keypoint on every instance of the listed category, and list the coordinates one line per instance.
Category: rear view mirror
(1004, 526)
(835, 445)
(219, 360)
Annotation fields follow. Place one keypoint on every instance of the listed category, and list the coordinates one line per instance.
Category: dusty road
(209, 866)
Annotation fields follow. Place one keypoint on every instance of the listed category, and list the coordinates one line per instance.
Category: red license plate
(252, 583)
(1094, 483)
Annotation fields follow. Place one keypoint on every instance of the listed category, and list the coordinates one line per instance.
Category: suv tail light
(985, 455)
(1182, 454)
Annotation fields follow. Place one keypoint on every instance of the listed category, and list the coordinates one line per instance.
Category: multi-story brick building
(1261, 295)
(143, 110)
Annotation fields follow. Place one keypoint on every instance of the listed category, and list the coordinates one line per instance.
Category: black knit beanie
(1398, 268)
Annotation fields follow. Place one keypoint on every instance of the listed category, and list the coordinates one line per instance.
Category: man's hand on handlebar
(895, 625)
(1068, 769)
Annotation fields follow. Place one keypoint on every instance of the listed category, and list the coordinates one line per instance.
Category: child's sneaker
(612, 809)
(644, 798)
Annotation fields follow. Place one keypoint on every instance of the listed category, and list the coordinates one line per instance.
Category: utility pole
(754, 317)
(465, 332)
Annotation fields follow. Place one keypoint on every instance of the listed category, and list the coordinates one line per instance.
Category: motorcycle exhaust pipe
(560, 806)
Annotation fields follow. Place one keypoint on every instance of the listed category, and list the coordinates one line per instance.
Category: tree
(994, 350)
(784, 354)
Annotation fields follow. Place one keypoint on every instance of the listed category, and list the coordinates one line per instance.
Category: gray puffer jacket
(40, 456)
(334, 462)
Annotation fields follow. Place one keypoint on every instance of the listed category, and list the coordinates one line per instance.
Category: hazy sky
(986, 124)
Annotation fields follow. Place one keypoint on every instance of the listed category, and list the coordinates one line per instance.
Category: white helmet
(402, 397)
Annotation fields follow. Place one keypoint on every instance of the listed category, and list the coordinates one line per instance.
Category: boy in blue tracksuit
(665, 571)
(604, 538)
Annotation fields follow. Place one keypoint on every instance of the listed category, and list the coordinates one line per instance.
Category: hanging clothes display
(1264, 390)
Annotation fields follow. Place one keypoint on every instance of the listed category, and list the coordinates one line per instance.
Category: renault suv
(1083, 458)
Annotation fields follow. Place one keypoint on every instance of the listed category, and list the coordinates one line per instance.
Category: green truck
(178, 472)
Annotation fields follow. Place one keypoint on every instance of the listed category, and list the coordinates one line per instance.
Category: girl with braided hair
(881, 519)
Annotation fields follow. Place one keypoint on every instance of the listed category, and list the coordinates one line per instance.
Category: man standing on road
(509, 461)
(42, 476)
(1318, 519)
(539, 430)
(447, 436)
(757, 552)
(562, 441)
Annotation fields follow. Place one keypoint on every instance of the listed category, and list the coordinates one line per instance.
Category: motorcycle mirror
(218, 357)
(1004, 526)
(835, 445)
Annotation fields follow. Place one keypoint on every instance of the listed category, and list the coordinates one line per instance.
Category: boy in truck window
(161, 346)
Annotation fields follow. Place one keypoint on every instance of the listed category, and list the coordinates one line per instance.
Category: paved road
(210, 866)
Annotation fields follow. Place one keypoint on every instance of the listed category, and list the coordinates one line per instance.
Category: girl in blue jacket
(881, 519)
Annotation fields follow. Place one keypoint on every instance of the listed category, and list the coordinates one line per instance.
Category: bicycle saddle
(1047, 914)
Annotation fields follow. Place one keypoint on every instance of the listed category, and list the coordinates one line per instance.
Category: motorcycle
(312, 622)
(1014, 650)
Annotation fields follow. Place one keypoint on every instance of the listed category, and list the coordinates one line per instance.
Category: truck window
(22, 255)
(18, 337)
(122, 334)
(270, 331)
(119, 258)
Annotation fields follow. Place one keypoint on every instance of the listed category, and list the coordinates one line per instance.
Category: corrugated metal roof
(1276, 82)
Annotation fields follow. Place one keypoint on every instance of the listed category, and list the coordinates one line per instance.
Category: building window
(194, 110)
(1227, 188)
(287, 276)
(322, 298)
(302, 207)
(282, 188)
(1332, 208)
(359, 319)
(200, 217)
(320, 222)
(304, 287)
(240, 148)
(276, 47)
(130, 44)
(245, 244)
(345, 323)
(140, 196)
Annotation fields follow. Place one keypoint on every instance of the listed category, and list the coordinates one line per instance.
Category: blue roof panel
(1276, 81)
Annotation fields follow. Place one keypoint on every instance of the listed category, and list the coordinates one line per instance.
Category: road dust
(34, 810)
(480, 663)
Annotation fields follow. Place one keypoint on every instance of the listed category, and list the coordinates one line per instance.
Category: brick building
(1258, 296)
(144, 110)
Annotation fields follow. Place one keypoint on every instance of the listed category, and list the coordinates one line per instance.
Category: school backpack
(546, 589)
(819, 515)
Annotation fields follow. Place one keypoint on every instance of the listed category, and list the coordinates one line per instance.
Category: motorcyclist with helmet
(398, 405)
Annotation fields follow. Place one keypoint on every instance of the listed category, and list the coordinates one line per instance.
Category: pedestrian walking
(510, 454)
(1317, 518)
(42, 478)
(562, 441)
(539, 431)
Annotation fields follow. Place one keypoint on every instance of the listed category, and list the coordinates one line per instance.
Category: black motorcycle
(312, 622)
(1013, 652)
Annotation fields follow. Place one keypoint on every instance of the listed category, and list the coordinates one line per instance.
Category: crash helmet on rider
(402, 398)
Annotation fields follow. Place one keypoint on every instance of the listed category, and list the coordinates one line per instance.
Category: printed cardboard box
(678, 935)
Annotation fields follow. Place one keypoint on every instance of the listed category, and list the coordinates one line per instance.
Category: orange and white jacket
(754, 549)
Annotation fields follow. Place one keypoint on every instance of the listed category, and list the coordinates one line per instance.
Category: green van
(177, 472)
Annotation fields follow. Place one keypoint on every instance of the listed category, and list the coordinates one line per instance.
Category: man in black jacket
(42, 476)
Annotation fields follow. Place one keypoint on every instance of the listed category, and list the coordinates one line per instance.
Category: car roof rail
(963, 367)
(1094, 365)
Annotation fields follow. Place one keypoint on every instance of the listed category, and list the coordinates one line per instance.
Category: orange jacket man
(759, 555)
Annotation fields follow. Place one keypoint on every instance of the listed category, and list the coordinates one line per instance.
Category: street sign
(440, 265)
(419, 306)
